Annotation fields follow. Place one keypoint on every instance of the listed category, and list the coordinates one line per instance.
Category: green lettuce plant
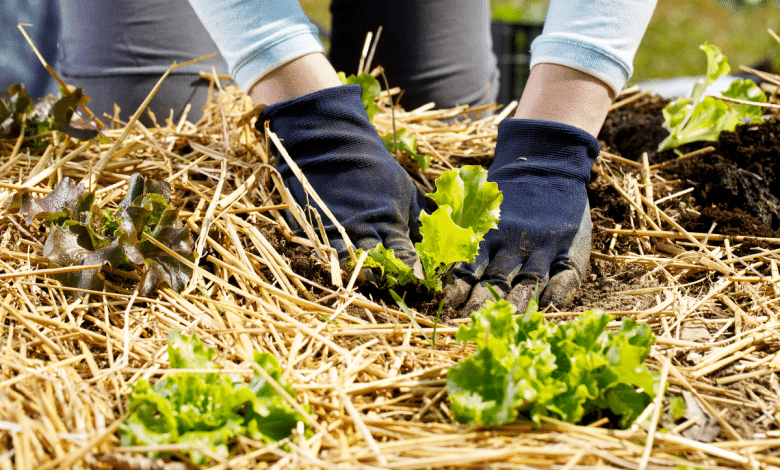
(561, 370)
(402, 141)
(371, 90)
(204, 409)
(468, 207)
(398, 141)
(703, 118)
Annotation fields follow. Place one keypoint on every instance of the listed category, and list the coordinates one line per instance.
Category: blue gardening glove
(329, 136)
(542, 244)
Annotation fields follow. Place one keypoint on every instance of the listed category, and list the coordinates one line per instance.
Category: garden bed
(699, 266)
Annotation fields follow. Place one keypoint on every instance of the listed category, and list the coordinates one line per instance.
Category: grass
(670, 47)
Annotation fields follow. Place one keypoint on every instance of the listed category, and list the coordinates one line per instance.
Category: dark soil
(734, 188)
(738, 178)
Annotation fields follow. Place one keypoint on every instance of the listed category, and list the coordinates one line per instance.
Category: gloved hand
(542, 244)
(329, 136)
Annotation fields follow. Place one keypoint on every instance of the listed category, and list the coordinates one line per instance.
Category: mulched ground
(374, 385)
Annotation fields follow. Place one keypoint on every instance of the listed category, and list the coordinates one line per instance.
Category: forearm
(583, 59)
(257, 38)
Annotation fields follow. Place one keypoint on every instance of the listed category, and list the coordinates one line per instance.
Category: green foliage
(409, 314)
(402, 141)
(701, 118)
(561, 370)
(394, 271)
(371, 90)
(677, 407)
(468, 208)
(207, 410)
(20, 110)
(82, 234)
(525, 12)
(399, 141)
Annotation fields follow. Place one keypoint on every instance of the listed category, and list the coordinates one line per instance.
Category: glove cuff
(326, 105)
(327, 128)
(546, 146)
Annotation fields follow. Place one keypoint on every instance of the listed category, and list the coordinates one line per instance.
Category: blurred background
(669, 49)
(671, 46)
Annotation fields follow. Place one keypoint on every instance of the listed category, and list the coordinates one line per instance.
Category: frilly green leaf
(371, 90)
(403, 141)
(468, 209)
(207, 410)
(475, 201)
(703, 118)
(562, 370)
(444, 241)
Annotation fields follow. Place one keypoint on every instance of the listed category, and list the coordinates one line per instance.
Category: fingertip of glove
(479, 295)
(522, 294)
(561, 289)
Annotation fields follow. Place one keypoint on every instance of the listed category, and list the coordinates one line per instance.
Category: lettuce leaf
(207, 410)
(562, 370)
(468, 209)
(403, 141)
(48, 113)
(701, 118)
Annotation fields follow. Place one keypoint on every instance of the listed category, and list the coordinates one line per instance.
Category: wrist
(562, 94)
(299, 77)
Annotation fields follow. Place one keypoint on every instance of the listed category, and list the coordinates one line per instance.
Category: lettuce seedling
(703, 118)
(468, 207)
(402, 141)
(396, 141)
(82, 234)
(561, 370)
(207, 410)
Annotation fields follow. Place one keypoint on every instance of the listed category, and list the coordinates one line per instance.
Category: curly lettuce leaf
(701, 118)
(717, 65)
(475, 201)
(207, 410)
(562, 370)
(468, 209)
(68, 200)
(394, 272)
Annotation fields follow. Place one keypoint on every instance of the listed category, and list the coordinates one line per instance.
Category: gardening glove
(329, 136)
(542, 244)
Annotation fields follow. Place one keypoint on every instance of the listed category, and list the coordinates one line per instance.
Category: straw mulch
(375, 388)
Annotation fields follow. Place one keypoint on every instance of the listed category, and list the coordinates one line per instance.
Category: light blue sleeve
(598, 37)
(257, 36)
